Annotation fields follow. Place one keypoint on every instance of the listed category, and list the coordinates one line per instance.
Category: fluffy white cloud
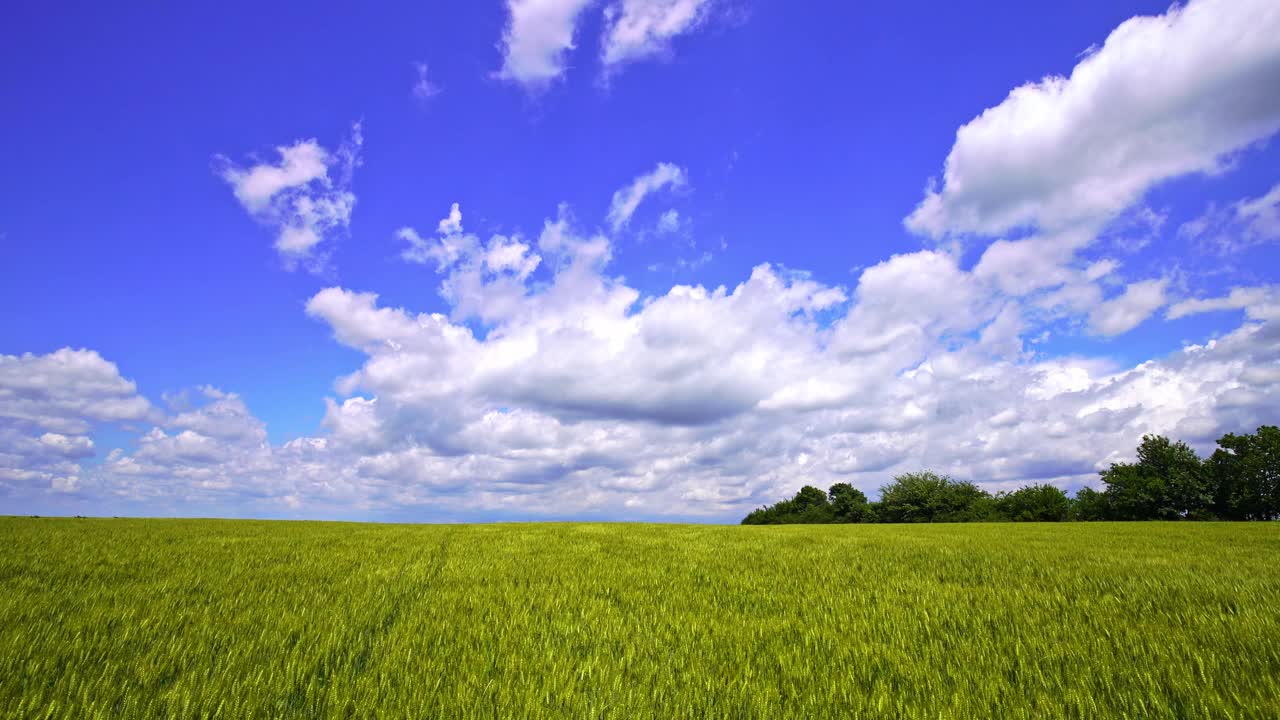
(214, 453)
(484, 280)
(1061, 164)
(49, 404)
(67, 391)
(1164, 96)
(641, 28)
(1123, 313)
(586, 396)
(67, 446)
(627, 199)
(539, 33)
(299, 196)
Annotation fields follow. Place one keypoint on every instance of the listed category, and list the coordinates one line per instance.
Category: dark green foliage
(929, 497)
(1089, 504)
(809, 506)
(810, 498)
(849, 504)
(843, 503)
(1167, 483)
(1246, 470)
(1034, 503)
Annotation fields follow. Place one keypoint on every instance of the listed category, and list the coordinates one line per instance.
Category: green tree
(1246, 471)
(809, 506)
(848, 504)
(1034, 503)
(1090, 505)
(929, 497)
(1167, 483)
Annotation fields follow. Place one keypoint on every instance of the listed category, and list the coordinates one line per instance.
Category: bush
(929, 497)
(1034, 503)
(1089, 505)
(809, 506)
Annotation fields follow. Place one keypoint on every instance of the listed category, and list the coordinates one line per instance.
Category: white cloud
(1123, 313)
(1260, 303)
(669, 221)
(299, 196)
(585, 395)
(451, 225)
(445, 250)
(1261, 216)
(588, 396)
(637, 29)
(484, 280)
(1163, 97)
(539, 34)
(223, 416)
(66, 391)
(423, 88)
(49, 404)
(215, 453)
(66, 445)
(1232, 229)
(627, 199)
(300, 164)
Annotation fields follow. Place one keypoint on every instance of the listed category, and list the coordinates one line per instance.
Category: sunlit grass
(189, 618)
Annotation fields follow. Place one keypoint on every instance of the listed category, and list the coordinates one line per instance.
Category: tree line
(1240, 481)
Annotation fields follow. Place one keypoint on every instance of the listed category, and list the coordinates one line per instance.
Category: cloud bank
(582, 395)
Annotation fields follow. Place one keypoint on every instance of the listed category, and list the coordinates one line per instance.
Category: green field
(240, 619)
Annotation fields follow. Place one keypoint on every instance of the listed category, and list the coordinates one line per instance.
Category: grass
(241, 619)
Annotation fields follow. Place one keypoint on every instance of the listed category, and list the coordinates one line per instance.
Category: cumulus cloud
(539, 34)
(627, 199)
(484, 280)
(306, 196)
(66, 391)
(48, 406)
(637, 29)
(585, 395)
(215, 453)
(1163, 96)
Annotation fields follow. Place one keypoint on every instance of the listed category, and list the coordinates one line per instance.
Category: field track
(103, 618)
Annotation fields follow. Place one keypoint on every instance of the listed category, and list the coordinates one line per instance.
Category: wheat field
(119, 618)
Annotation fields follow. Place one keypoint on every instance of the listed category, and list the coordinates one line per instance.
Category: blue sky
(1117, 207)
